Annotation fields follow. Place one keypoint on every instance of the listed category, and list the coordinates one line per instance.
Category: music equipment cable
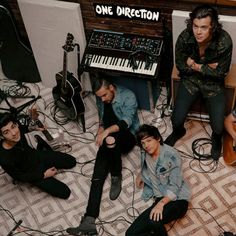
(73, 136)
(27, 230)
(224, 233)
(203, 165)
(16, 90)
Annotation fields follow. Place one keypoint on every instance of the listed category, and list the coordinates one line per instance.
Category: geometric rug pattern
(212, 208)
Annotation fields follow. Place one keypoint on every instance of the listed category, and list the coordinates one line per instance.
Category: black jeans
(215, 107)
(61, 161)
(107, 160)
(143, 226)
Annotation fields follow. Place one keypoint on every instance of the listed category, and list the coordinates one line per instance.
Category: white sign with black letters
(117, 11)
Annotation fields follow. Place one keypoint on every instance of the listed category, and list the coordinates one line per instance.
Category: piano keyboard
(119, 64)
(112, 51)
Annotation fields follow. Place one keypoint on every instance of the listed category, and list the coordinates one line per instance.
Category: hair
(98, 82)
(5, 118)
(148, 131)
(203, 11)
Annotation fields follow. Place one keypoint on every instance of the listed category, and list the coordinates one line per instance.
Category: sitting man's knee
(110, 142)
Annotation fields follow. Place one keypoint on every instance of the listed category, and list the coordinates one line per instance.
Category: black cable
(200, 155)
(77, 136)
(17, 90)
(14, 228)
(204, 165)
(133, 215)
(27, 229)
(198, 208)
(198, 148)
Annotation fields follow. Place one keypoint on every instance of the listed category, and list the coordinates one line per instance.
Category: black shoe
(87, 226)
(115, 187)
(175, 136)
(216, 147)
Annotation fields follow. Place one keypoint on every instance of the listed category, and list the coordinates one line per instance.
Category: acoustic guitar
(229, 149)
(67, 92)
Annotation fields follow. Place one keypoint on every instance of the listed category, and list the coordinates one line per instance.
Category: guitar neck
(79, 71)
(64, 72)
(45, 132)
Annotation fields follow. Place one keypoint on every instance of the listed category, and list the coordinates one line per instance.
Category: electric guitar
(229, 149)
(54, 141)
(67, 92)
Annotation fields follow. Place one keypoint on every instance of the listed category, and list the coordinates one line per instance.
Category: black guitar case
(17, 60)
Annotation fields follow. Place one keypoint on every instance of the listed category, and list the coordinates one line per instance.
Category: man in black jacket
(29, 165)
(203, 56)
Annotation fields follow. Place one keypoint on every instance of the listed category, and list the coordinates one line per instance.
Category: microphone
(15, 227)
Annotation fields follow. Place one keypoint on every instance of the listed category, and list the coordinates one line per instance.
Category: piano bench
(198, 109)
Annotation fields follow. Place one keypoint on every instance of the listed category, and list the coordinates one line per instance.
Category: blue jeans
(215, 107)
(144, 226)
(107, 160)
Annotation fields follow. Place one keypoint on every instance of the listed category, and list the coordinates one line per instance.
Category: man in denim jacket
(161, 179)
(118, 122)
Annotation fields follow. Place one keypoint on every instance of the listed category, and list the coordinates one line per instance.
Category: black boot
(87, 226)
(116, 185)
(216, 140)
(175, 136)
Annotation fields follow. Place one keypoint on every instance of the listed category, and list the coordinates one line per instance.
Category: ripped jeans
(108, 160)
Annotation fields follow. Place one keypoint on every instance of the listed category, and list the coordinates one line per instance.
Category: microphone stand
(80, 72)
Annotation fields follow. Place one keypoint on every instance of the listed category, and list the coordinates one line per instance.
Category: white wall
(228, 22)
(47, 23)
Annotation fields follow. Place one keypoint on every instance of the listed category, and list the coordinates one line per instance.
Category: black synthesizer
(122, 53)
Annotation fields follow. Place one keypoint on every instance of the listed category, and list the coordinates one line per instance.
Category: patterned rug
(213, 204)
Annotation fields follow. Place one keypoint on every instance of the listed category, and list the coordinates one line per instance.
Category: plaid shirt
(208, 81)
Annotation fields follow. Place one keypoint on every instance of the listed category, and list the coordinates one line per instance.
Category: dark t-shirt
(21, 162)
(109, 117)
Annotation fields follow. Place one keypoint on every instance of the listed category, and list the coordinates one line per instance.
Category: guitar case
(17, 59)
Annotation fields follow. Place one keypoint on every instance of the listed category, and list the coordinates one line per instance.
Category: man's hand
(101, 135)
(156, 212)
(190, 62)
(193, 65)
(213, 65)
(50, 172)
(139, 182)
